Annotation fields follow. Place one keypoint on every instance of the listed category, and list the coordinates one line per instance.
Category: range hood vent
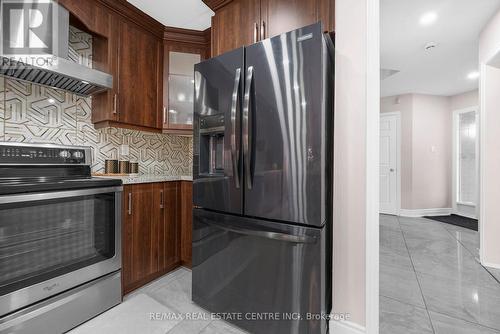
(57, 71)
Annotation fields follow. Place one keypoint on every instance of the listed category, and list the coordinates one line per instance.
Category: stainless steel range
(60, 239)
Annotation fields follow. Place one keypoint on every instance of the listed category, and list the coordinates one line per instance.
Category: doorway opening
(431, 276)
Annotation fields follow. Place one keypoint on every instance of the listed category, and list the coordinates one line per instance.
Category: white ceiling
(188, 14)
(442, 71)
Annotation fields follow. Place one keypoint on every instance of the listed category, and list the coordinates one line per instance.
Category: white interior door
(389, 164)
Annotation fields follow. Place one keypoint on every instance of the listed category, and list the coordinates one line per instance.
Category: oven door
(52, 242)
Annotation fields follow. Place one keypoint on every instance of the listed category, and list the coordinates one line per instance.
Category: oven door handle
(57, 194)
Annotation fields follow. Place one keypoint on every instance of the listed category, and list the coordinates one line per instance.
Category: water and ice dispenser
(212, 144)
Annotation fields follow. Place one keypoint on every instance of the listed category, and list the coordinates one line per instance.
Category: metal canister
(134, 168)
(111, 166)
(124, 167)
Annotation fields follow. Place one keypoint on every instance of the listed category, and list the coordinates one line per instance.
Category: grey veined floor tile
(221, 327)
(401, 285)
(177, 295)
(400, 318)
(462, 299)
(390, 222)
(495, 272)
(133, 316)
(392, 240)
(447, 325)
(399, 260)
(190, 326)
(468, 238)
(446, 258)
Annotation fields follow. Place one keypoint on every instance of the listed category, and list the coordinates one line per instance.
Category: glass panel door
(181, 88)
(467, 180)
(40, 240)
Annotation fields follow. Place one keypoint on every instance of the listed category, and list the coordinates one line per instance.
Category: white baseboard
(415, 213)
(346, 327)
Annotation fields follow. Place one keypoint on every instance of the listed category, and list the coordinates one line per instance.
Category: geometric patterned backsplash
(36, 114)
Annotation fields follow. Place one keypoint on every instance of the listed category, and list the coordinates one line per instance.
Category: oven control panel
(22, 154)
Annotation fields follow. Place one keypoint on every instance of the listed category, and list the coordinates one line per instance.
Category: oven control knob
(65, 154)
(78, 155)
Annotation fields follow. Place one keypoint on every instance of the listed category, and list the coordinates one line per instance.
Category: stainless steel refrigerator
(262, 184)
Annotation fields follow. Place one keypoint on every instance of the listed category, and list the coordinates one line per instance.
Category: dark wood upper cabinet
(234, 25)
(242, 22)
(139, 76)
(279, 16)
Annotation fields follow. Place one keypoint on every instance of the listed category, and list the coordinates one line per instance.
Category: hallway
(431, 280)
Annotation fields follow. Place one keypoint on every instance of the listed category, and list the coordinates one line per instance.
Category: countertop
(149, 178)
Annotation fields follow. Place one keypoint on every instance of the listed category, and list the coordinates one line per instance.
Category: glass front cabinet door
(179, 94)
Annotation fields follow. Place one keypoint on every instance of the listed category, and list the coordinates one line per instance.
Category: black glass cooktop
(32, 185)
(28, 179)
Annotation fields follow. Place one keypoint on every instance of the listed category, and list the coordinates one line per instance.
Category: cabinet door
(186, 222)
(235, 25)
(279, 16)
(178, 113)
(106, 58)
(138, 246)
(169, 232)
(139, 83)
(157, 229)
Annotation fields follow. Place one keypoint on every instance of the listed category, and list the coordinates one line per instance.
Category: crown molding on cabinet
(216, 4)
(132, 13)
(179, 35)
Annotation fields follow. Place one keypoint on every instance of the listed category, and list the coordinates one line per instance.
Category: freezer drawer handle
(234, 151)
(268, 234)
(246, 125)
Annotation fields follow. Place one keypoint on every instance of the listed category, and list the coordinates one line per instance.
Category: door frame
(396, 114)
(372, 231)
(455, 164)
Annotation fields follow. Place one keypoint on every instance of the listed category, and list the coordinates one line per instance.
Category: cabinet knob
(255, 32)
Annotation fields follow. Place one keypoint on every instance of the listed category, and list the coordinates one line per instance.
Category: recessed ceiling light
(428, 18)
(473, 75)
(51, 100)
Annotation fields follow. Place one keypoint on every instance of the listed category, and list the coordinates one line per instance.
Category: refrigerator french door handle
(234, 151)
(298, 239)
(246, 131)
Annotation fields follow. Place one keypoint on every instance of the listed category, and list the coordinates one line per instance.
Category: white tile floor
(432, 282)
(169, 298)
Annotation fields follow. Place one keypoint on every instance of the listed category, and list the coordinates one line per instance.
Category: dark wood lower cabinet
(186, 223)
(154, 231)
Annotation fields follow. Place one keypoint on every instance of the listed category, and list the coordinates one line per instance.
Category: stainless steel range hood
(56, 70)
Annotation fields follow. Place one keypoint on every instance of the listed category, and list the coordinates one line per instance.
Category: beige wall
(349, 212)
(432, 151)
(465, 100)
(489, 45)
(426, 146)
